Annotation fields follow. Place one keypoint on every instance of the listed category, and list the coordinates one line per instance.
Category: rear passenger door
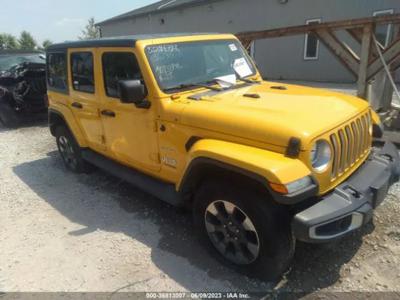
(84, 96)
(129, 131)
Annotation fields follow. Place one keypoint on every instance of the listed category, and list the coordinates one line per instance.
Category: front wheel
(243, 229)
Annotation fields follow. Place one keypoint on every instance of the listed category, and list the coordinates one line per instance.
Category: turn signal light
(279, 188)
(293, 187)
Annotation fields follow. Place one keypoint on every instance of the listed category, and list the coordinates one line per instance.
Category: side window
(311, 45)
(57, 71)
(119, 66)
(82, 72)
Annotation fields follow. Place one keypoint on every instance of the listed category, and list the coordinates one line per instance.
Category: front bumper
(352, 203)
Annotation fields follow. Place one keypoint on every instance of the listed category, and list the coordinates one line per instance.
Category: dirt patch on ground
(65, 232)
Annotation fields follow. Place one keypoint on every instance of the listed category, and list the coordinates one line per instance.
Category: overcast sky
(59, 20)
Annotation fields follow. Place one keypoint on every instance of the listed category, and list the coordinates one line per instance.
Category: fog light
(338, 227)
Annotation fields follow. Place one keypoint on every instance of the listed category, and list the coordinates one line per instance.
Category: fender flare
(73, 127)
(259, 165)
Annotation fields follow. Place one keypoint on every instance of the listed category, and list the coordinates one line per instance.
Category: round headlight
(320, 155)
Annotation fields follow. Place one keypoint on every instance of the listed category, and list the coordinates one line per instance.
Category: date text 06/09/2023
(230, 295)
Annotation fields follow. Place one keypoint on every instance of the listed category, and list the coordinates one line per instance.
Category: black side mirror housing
(133, 91)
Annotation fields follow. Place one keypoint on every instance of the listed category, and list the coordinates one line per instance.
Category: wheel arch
(202, 168)
(243, 164)
(57, 118)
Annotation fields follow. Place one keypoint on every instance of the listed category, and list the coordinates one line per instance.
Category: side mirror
(133, 91)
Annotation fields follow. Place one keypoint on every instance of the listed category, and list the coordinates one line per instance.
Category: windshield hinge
(155, 126)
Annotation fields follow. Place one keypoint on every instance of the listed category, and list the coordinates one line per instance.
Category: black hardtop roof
(120, 41)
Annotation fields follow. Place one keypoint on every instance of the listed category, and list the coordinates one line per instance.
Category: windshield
(189, 63)
(7, 61)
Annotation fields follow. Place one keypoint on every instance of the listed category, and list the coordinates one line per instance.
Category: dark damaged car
(22, 86)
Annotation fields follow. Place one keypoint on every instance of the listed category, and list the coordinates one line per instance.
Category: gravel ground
(65, 232)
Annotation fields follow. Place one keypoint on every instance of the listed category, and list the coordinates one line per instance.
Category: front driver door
(130, 132)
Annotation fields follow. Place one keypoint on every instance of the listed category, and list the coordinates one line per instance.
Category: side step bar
(154, 187)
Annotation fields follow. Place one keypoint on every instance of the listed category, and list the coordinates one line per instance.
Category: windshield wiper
(194, 85)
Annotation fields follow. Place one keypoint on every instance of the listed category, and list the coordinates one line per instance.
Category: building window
(383, 33)
(311, 44)
(82, 72)
(57, 71)
(119, 66)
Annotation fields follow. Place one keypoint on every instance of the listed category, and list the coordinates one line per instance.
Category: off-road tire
(70, 151)
(8, 117)
(271, 222)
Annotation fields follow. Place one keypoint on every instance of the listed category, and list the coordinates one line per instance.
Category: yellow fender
(375, 118)
(65, 113)
(274, 167)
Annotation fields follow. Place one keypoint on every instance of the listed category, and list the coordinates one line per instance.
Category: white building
(288, 58)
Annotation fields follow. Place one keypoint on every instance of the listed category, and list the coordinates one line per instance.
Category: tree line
(26, 41)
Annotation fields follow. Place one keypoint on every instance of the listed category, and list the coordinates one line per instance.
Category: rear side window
(82, 72)
(57, 71)
(119, 66)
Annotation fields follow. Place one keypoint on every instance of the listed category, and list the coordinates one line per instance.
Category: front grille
(349, 144)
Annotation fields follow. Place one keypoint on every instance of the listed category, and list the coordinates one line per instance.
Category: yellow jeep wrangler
(188, 119)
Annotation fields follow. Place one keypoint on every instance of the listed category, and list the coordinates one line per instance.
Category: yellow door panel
(130, 132)
(130, 135)
(84, 98)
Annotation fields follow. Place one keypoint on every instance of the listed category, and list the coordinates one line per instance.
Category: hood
(22, 71)
(271, 113)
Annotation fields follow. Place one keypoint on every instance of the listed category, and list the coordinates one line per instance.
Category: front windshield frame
(26, 57)
(167, 90)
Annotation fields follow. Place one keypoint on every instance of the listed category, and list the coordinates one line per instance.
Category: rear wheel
(70, 151)
(243, 229)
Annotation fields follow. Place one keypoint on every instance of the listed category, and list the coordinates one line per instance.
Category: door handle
(108, 113)
(77, 105)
